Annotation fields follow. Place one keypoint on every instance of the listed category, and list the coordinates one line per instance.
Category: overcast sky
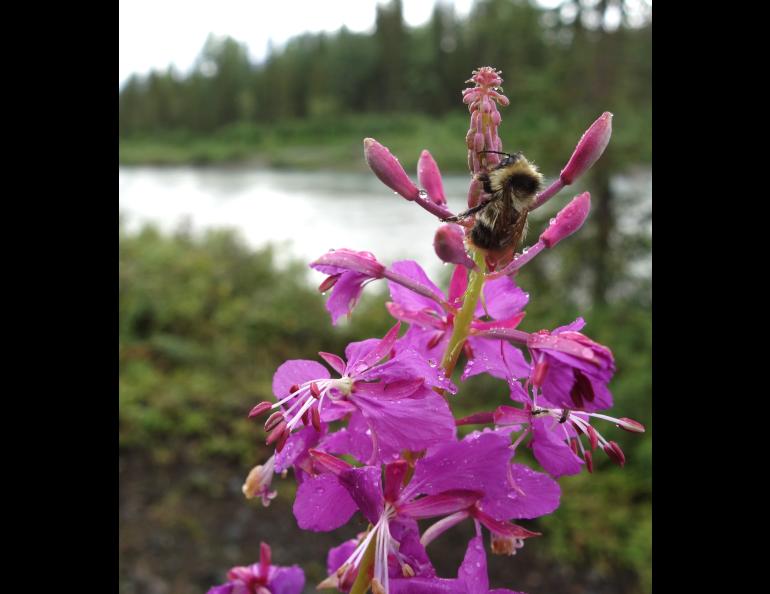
(157, 33)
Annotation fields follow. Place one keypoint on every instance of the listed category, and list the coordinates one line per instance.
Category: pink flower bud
(450, 247)
(430, 178)
(589, 149)
(388, 169)
(475, 191)
(568, 220)
(338, 261)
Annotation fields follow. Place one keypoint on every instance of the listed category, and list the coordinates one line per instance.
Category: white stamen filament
(442, 526)
(304, 397)
(584, 424)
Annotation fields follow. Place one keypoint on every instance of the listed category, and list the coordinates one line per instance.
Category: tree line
(553, 60)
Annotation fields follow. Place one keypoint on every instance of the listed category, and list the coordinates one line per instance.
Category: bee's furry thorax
(512, 187)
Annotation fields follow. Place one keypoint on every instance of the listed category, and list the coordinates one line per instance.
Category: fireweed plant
(385, 404)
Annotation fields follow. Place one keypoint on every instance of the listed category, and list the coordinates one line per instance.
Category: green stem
(464, 317)
(363, 579)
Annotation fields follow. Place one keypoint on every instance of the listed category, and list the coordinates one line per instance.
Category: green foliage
(306, 104)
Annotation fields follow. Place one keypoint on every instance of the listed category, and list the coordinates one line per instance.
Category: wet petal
(296, 372)
(408, 364)
(334, 361)
(352, 440)
(380, 349)
(296, 448)
(287, 580)
(364, 487)
(345, 294)
(323, 504)
(458, 284)
(415, 423)
(534, 494)
(407, 533)
(560, 380)
(426, 585)
(429, 343)
(575, 326)
(498, 358)
(338, 555)
(473, 570)
(407, 298)
(502, 299)
(476, 463)
(441, 504)
(551, 451)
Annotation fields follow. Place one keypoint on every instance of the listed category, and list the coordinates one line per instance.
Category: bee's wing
(509, 223)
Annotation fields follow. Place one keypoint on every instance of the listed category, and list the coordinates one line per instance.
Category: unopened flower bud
(450, 246)
(338, 261)
(589, 149)
(475, 191)
(429, 177)
(386, 167)
(568, 220)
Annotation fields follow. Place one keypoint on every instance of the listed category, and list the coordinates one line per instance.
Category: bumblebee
(501, 220)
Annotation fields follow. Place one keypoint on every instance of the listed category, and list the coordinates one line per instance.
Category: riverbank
(335, 142)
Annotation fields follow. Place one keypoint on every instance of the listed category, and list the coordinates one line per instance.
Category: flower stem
(462, 322)
(363, 579)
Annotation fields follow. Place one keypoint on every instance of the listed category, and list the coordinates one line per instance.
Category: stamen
(444, 524)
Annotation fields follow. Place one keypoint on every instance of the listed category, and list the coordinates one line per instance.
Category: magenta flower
(431, 325)
(557, 436)
(556, 431)
(572, 370)
(377, 436)
(391, 396)
(262, 578)
(348, 272)
(320, 506)
(471, 478)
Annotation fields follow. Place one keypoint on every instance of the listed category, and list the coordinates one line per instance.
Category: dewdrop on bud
(568, 220)
(386, 167)
(450, 247)
(429, 177)
(589, 149)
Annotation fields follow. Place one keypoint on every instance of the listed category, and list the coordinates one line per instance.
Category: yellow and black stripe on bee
(501, 222)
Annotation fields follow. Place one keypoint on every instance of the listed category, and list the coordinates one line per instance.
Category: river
(307, 213)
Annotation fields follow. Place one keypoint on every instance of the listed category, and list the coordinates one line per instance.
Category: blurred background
(241, 127)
